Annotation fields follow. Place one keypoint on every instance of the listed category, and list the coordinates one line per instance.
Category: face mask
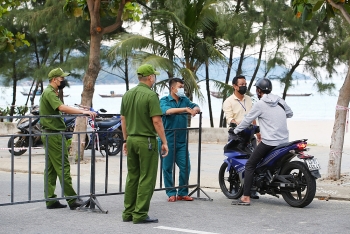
(242, 89)
(62, 84)
(180, 92)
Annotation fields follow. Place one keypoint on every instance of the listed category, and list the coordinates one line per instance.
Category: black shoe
(128, 219)
(56, 205)
(254, 195)
(148, 220)
(77, 203)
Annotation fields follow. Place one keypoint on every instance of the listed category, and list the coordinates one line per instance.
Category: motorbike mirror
(103, 110)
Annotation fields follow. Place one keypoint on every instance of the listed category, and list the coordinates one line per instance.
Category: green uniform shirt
(49, 103)
(138, 107)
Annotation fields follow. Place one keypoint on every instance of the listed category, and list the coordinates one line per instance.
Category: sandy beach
(318, 132)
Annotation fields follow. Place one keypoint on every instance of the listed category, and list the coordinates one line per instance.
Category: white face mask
(180, 92)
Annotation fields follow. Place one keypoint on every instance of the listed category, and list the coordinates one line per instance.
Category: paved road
(266, 215)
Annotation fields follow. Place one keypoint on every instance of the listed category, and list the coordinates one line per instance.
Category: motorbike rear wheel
(18, 142)
(115, 143)
(305, 184)
(230, 183)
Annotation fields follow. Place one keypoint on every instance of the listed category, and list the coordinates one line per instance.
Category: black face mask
(63, 84)
(242, 89)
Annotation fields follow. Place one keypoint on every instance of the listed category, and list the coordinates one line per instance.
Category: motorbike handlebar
(91, 109)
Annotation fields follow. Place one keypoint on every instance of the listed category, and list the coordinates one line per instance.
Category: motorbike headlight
(22, 125)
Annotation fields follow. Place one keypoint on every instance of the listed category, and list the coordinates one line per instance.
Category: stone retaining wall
(209, 135)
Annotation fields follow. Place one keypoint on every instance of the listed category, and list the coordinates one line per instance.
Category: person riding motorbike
(272, 113)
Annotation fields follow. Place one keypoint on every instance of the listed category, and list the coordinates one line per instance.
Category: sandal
(240, 203)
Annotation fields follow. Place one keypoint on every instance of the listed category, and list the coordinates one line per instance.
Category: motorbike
(285, 170)
(108, 138)
(109, 134)
(21, 143)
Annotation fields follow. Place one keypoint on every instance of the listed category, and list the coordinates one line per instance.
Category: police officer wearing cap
(141, 122)
(50, 104)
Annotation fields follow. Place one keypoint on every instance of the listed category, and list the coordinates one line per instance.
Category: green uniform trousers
(141, 179)
(54, 168)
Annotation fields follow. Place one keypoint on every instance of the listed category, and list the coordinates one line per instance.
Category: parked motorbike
(277, 173)
(21, 143)
(109, 134)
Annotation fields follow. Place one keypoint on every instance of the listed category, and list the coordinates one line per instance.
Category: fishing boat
(298, 94)
(111, 95)
(38, 93)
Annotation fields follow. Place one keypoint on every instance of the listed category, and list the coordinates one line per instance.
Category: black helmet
(264, 84)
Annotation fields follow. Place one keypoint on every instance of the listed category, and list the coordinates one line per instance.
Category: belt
(49, 131)
(143, 136)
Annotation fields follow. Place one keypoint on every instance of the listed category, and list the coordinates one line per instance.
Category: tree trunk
(228, 73)
(14, 87)
(126, 74)
(89, 80)
(241, 59)
(340, 122)
(208, 94)
(87, 94)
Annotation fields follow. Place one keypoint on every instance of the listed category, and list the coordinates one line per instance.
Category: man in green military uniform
(50, 104)
(141, 122)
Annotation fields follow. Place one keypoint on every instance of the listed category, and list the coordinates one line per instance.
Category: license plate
(313, 164)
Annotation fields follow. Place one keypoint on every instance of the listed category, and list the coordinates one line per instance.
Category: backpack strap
(281, 105)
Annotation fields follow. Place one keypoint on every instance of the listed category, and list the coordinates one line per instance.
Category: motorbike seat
(108, 123)
(286, 144)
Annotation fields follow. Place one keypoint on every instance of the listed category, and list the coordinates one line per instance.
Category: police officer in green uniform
(50, 104)
(141, 122)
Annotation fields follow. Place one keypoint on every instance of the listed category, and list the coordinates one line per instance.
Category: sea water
(314, 107)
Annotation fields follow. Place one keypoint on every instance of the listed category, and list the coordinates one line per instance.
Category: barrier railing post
(198, 189)
(92, 201)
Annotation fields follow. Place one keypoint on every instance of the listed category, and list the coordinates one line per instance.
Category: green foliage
(79, 8)
(19, 110)
(8, 40)
(329, 7)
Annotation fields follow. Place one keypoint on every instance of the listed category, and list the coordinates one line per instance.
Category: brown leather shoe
(172, 199)
(184, 198)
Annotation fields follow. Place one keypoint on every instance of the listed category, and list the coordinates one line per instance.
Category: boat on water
(219, 95)
(216, 94)
(111, 95)
(298, 94)
(38, 93)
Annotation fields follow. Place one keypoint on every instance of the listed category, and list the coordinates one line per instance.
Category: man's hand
(164, 150)
(91, 113)
(258, 137)
(125, 150)
(193, 112)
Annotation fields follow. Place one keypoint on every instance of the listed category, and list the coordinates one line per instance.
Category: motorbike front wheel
(114, 143)
(18, 142)
(305, 185)
(230, 183)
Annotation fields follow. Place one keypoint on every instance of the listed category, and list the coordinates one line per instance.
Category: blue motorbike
(286, 170)
(109, 138)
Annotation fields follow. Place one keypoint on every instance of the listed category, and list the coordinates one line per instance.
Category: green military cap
(146, 70)
(57, 72)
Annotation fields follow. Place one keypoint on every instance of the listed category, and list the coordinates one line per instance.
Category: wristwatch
(124, 141)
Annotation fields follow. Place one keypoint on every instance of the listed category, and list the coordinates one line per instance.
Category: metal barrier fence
(103, 174)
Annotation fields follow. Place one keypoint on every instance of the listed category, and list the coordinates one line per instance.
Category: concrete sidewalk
(211, 160)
